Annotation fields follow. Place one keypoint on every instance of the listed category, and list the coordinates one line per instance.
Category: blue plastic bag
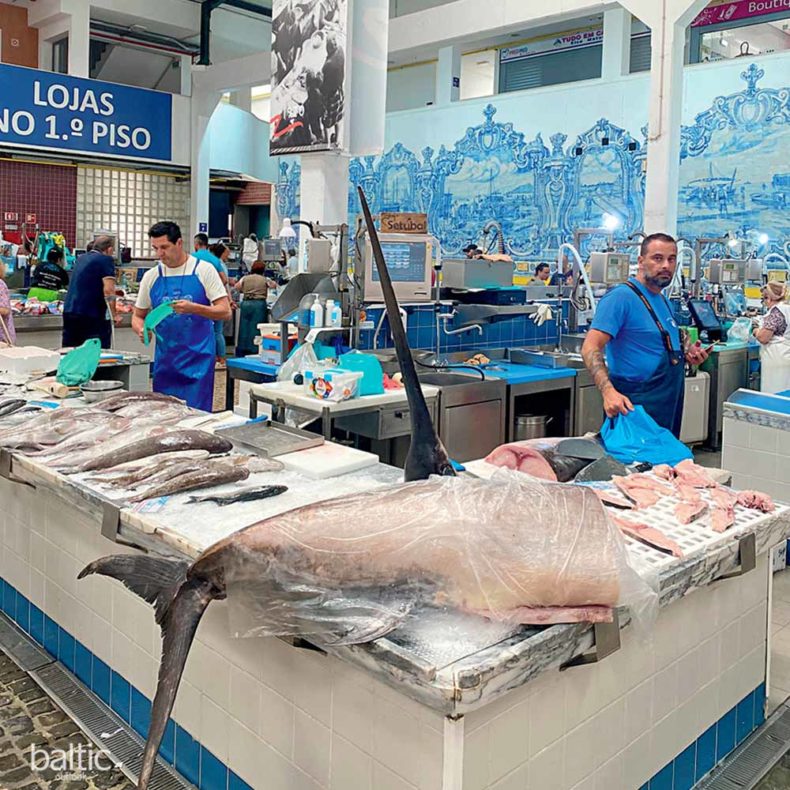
(637, 437)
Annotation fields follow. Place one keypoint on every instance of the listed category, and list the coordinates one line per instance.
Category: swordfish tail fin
(179, 602)
(427, 455)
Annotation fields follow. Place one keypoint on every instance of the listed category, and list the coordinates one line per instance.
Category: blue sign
(456, 82)
(49, 110)
(202, 227)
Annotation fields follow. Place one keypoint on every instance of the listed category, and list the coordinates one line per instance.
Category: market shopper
(7, 331)
(49, 277)
(635, 328)
(185, 350)
(89, 308)
(542, 274)
(774, 336)
(253, 289)
(222, 254)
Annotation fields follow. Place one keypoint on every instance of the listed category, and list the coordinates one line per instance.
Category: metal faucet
(449, 316)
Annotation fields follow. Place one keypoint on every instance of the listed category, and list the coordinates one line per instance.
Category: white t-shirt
(205, 272)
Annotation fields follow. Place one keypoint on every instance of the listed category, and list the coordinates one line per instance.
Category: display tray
(270, 438)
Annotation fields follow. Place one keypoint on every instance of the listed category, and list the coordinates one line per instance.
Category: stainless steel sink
(448, 379)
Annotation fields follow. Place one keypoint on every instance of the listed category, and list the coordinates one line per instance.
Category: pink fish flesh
(686, 512)
(694, 475)
(650, 536)
(640, 496)
(756, 500)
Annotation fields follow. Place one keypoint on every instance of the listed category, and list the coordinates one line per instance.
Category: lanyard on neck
(664, 333)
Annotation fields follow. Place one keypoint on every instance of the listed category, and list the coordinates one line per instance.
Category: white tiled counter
(756, 442)
(261, 713)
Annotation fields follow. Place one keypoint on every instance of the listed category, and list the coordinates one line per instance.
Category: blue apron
(184, 361)
(662, 393)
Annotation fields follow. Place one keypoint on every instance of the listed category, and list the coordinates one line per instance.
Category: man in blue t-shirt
(203, 253)
(636, 330)
(90, 302)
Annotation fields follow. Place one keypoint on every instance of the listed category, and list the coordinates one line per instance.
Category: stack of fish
(134, 441)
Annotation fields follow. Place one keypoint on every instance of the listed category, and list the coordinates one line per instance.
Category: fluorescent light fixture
(286, 231)
(763, 238)
(610, 222)
(732, 243)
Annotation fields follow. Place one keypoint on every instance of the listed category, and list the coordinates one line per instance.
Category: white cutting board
(327, 460)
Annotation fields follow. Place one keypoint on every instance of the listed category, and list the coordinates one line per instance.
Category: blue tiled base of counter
(178, 748)
(718, 741)
(198, 765)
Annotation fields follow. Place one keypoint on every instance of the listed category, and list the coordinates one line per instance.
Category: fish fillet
(686, 512)
(687, 493)
(650, 536)
(639, 480)
(694, 475)
(610, 498)
(641, 497)
(664, 471)
(721, 519)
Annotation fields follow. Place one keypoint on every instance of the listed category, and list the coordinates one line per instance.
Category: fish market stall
(447, 699)
(46, 330)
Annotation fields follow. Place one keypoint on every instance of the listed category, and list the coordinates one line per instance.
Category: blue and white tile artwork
(735, 177)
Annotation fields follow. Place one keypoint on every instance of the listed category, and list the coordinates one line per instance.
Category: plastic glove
(543, 314)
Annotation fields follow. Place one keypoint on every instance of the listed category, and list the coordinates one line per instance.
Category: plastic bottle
(334, 315)
(317, 314)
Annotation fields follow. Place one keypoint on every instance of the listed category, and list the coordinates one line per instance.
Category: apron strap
(194, 268)
(664, 333)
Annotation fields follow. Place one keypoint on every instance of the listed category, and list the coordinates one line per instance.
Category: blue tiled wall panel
(203, 769)
(694, 762)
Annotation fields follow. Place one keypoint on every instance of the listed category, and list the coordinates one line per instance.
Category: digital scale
(726, 272)
(609, 268)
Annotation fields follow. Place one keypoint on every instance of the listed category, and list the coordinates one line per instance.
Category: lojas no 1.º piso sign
(47, 110)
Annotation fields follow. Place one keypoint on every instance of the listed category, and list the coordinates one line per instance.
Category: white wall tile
(384, 779)
(395, 734)
(637, 762)
(121, 659)
(763, 438)
(753, 628)
(582, 695)
(582, 751)
(665, 692)
(761, 464)
(279, 667)
(638, 710)
(707, 705)
(209, 671)
(546, 769)
(36, 590)
(689, 677)
(313, 692)
(509, 740)
(312, 747)
(188, 708)
(351, 767)
(214, 728)
(102, 639)
(515, 780)
(247, 755)
(352, 712)
(245, 698)
(547, 714)
(476, 758)
(611, 726)
(276, 721)
(611, 774)
(735, 433)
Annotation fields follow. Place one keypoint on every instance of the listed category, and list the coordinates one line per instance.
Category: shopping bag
(79, 365)
(637, 437)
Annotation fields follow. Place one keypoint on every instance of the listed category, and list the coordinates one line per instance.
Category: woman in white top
(249, 250)
(774, 336)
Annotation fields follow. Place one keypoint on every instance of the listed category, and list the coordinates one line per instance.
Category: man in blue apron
(634, 326)
(184, 360)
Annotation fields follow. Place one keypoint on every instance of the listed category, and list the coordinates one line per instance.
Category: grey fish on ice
(203, 475)
(244, 495)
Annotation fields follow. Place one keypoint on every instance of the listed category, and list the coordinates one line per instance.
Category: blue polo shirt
(209, 257)
(636, 348)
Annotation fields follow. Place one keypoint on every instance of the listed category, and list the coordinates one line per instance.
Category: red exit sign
(11, 216)
(30, 219)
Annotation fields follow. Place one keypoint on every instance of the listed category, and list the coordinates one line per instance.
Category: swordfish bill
(426, 455)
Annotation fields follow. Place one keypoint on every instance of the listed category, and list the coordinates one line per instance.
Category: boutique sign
(723, 11)
(47, 110)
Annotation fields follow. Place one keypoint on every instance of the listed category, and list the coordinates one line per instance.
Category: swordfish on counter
(508, 548)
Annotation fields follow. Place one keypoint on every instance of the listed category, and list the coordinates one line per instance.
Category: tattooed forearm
(596, 364)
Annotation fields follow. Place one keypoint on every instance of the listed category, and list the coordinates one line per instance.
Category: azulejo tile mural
(539, 194)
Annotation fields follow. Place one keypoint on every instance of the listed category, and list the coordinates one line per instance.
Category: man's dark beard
(661, 281)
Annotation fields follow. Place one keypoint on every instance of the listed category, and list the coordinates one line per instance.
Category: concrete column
(242, 98)
(667, 21)
(324, 193)
(202, 106)
(79, 40)
(616, 44)
(448, 75)
(186, 75)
